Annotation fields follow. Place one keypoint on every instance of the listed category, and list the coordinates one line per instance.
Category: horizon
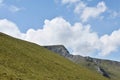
(84, 27)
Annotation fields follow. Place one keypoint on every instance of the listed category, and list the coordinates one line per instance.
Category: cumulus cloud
(59, 31)
(10, 28)
(79, 7)
(84, 11)
(78, 37)
(92, 12)
(110, 43)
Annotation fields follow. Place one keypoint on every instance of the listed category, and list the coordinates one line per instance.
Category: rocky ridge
(91, 63)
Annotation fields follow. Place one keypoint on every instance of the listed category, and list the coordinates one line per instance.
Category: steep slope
(109, 69)
(21, 60)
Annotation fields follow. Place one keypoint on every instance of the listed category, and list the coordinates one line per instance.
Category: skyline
(85, 27)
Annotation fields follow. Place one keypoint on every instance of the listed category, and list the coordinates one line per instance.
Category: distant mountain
(107, 68)
(22, 60)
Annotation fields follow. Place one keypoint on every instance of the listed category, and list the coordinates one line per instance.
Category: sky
(84, 27)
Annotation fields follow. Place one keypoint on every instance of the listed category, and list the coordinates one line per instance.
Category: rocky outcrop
(91, 63)
(103, 72)
(60, 49)
(97, 65)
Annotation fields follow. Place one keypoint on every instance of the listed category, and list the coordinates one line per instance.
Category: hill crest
(22, 60)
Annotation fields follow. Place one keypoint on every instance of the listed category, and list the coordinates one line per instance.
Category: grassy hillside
(21, 60)
(107, 68)
(111, 67)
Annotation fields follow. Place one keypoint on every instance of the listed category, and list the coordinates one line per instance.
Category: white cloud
(79, 8)
(10, 28)
(69, 1)
(78, 37)
(14, 9)
(110, 43)
(86, 12)
(59, 31)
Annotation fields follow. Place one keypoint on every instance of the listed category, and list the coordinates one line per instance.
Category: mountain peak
(60, 49)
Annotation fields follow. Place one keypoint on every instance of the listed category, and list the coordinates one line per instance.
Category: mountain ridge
(98, 65)
(22, 60)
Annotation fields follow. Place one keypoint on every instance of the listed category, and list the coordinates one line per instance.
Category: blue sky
(89, 27)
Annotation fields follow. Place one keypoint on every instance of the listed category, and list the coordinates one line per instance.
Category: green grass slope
(111, 67)
(21, 60)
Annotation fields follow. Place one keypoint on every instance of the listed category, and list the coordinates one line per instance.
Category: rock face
(103, 72)
(104, 67)
(60, 49)
(97, 65)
